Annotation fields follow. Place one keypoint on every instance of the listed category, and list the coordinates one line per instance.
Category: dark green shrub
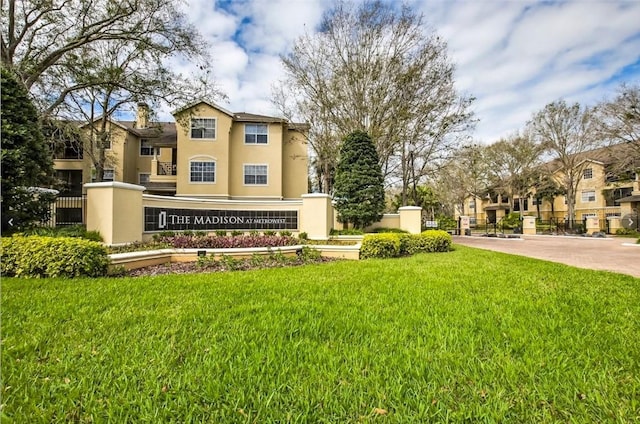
(429, 241)
(285, 233)
(303, 236)
(269, 233)
(221, 233)
(40, 256)
(446, 222)
(513, 220)
(385, 245)
(236, 233)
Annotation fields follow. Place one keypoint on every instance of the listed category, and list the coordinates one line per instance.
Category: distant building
(604, 191)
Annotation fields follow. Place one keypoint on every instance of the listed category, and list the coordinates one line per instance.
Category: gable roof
(603, 156)
(244, 116)
(160, 134)
(198, 102)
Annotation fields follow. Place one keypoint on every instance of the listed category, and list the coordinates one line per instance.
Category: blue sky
(513, 56)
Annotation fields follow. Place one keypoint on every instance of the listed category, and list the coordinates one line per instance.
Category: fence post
(317, 216)
(411, 219)
(529, 225)
(114, 209)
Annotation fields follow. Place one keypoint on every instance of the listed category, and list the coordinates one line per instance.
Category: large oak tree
(567, 132)
(376, 67)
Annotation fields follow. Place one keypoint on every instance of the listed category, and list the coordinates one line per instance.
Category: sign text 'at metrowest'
(165, 219)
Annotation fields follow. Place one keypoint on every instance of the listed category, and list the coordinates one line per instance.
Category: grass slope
(469, 335)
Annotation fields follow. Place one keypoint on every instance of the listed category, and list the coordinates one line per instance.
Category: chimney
(142, 117)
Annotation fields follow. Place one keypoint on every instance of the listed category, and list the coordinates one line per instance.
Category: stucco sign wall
(167, 219)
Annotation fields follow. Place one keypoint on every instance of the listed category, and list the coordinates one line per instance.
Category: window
(108, 175)
(145, 147)
(105, 141)
(516, 205)
(472, 204)
(255, 174)
(143, 179)
(587, 174)
(202, 172)
(72, 181)
(204, 128)
(589, 215)
(589, 196)
(255, 134)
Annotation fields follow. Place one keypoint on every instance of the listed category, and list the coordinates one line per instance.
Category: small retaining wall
(135, 260)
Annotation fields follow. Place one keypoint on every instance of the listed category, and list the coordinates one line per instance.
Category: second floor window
(145, 147)
(588, 196)
(203, 128)
(255, 134)
(72, 181)
(202, 172)
(255, 174)
(587, 174)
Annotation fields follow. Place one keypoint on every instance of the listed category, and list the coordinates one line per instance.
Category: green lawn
(469, 335)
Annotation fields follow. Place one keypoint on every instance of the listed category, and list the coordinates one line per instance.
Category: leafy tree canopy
(25, 159)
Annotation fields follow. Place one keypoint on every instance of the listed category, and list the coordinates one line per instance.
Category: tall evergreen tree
(358, 188)
(25, 159)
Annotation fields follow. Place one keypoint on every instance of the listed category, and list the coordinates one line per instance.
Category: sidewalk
(615, 254)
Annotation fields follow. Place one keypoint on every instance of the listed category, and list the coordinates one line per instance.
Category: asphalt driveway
(609, 254)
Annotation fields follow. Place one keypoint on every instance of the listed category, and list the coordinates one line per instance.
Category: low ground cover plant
(467, 336)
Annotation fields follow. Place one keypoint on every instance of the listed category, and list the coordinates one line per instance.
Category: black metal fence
(68, 211)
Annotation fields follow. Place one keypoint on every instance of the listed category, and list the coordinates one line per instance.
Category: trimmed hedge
(430, 241)
(383, 245)
(40, 256)
(390, 245)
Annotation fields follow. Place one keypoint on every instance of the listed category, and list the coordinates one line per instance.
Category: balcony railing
(68, 153)
(166, 168)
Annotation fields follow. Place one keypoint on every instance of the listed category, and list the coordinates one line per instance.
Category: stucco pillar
(114, 209)
(593, 225)
(411, 219)
(529, 225)
(614, 224)
(317, 216)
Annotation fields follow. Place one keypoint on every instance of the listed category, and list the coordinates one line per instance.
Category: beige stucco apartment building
(208, 152)
(603, 192)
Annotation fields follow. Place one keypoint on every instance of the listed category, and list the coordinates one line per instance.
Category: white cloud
(513, 56)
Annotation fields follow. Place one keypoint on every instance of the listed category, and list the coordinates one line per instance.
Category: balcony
(68, 152)
(166, 169)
